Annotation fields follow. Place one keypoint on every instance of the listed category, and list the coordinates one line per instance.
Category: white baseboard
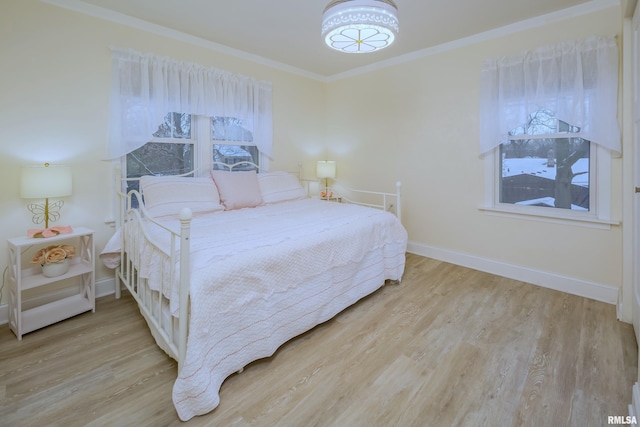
(103, 288)
(571, 285)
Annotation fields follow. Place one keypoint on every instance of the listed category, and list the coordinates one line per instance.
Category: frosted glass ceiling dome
(360, 26)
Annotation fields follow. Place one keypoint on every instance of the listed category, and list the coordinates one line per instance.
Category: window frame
(236, 143)
(193, 141)
(542, 125)
(598, 216)
(202, 141)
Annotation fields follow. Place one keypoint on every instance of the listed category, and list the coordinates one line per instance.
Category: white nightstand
(21, 279)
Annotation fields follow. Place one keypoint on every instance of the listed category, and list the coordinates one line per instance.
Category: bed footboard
(373, 199)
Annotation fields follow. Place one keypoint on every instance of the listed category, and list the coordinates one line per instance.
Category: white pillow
(167, 195)
(237, 189)
(280, 187)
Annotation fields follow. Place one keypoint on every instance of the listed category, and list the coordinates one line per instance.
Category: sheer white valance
(145, 87)
(577, 81)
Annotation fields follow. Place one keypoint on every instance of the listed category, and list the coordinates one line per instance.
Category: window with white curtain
(158, 100)
(548, 130)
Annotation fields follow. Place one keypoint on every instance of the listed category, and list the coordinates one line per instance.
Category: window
(226, 133)
(542, 165)
(185, 142)
(170, 152)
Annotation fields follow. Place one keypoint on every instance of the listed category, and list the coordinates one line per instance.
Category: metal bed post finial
(185, 236)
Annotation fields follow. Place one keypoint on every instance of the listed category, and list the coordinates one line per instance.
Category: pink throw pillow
(237, 189)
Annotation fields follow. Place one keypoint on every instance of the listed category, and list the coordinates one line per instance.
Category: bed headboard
(374, 199)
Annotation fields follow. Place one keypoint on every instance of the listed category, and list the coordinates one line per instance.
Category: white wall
(54, 100)
(418, 122)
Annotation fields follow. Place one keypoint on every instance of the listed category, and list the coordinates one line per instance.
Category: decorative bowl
(55, 269)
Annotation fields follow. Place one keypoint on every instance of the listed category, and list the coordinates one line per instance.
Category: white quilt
(261, 276)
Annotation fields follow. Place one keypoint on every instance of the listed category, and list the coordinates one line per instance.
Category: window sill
(551, 217)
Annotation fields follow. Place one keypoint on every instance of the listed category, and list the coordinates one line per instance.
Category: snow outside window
(538, 168)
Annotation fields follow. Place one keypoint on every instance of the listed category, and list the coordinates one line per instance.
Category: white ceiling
(288, 31)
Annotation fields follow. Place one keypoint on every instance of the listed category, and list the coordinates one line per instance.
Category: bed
(229, 266)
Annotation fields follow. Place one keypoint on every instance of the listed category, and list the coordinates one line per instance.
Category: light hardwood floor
(449, 346)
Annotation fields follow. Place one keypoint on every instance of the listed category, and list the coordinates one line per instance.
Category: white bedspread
(262, 276)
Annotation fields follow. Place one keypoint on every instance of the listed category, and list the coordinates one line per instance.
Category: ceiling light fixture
(360, 26)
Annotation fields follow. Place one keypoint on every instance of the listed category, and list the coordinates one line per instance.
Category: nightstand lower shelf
(44, 315)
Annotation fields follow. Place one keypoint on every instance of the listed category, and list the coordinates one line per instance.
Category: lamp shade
(42, 182)
(326, 169)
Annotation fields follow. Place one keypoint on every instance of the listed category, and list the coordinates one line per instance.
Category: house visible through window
(228, 135)
(542, 165)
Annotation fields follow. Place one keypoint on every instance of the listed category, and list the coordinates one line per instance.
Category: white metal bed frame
(172, 337)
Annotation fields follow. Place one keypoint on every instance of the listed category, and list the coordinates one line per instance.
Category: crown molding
(140, 24)
(561, 15)
(119, 18)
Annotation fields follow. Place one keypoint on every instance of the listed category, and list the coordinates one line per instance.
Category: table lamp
(326, 169)
(43, 182)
